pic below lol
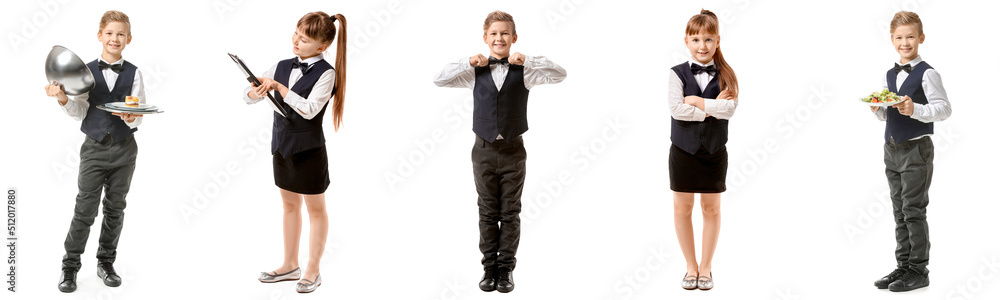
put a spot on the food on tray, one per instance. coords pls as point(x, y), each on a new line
point(131, 101)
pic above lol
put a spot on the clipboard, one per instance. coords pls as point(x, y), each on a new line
point(253, 79)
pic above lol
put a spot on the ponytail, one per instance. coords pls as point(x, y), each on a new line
point(340, 71)
point(727, 78)
point(708, 22)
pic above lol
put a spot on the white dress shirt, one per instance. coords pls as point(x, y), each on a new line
point(937, 109)
point(309, 107)
point(718, 108)
point(77, 105)
point(537, 70)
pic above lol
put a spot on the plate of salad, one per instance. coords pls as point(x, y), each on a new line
point(883, 98)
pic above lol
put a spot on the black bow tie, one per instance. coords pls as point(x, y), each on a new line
point(696, 69)
point(907, 67)
point(301, 65)
point(502, 61)
point(117, 68)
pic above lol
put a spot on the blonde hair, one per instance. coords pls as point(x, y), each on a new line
point(499, 16)
point(320, 27)
point(114, 16)
point(904, 18)
point(707, 21)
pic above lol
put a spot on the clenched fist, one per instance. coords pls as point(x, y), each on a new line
point(479, 61)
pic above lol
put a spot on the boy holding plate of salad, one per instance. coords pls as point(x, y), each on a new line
point(908, 150)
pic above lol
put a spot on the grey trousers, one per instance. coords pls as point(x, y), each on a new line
point(908, 166)
point(107, 166)
point(499, 170)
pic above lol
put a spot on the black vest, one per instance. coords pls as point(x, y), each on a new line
point(903, 128)
point(501, 111)
point(99, 123)
point(295, 134)
point(692, 135)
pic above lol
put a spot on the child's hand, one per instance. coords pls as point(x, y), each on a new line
point(725, 94)
point(269, 83)
point(261, 90)
point(516, 59)
point(127, 117)
point(906, 107)
point(56, 90)
point(479, 61)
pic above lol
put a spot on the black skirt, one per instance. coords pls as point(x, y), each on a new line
point(306, 172)
point(701, 172)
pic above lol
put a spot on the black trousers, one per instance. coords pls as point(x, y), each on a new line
point(908, 166)
point(499, 171)
point(107, 166)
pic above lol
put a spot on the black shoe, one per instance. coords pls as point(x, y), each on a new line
point(489, 282)
point(884, 282)
point(107, 273)
point(67, 282)
point(910, 281)
point(505, 280)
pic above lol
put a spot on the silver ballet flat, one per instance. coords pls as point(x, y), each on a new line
point(308, 286)
point(689, 282)
point(291, 275)
point(705, 284)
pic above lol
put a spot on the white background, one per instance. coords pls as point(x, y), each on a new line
point(806, 216)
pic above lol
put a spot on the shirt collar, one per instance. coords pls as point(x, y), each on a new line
point(311, 60)
point(710, 63)
point(914, 62)
point(120, 61)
